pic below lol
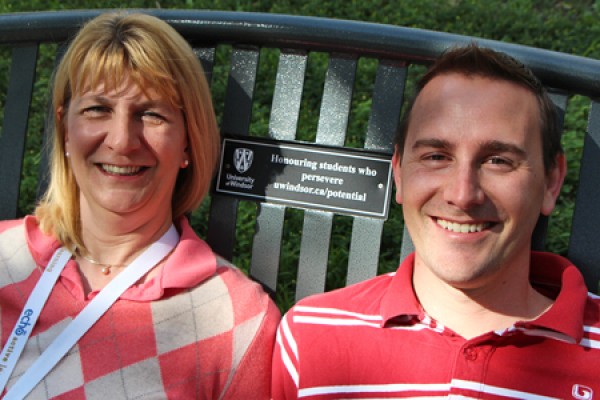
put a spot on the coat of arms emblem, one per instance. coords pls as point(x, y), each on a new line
point(242, 159)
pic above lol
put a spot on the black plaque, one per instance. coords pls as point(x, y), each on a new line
point(306, 176)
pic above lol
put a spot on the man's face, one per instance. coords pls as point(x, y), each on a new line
point(471, 178)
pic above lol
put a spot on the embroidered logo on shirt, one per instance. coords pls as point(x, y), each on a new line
point(581, 392)
point(242, 159)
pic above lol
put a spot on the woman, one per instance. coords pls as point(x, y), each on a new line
point(135, 146)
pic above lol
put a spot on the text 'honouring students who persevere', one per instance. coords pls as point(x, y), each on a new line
point(306, 176)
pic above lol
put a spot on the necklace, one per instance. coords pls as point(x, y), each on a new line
point(105, 267)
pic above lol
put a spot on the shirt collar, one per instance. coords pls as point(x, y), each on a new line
point(553, 275)
point(400, 300)
point(557, 278)
point(191, 262)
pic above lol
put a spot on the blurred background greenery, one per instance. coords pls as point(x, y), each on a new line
point(566, 26)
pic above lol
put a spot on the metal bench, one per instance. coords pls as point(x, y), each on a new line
point(294, 39)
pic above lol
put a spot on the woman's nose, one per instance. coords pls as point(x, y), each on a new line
point(123, 134)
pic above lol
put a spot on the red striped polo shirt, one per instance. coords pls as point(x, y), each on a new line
point(372, 340)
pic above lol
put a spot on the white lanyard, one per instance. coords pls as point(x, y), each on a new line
point(82, 322)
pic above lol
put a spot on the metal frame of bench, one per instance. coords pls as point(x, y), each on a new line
point(345, 42)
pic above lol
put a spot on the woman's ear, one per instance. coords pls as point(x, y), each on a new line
point(185, 161)
point(60, 116)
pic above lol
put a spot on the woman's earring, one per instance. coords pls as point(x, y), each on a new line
point(67, 154)
point(186, 163)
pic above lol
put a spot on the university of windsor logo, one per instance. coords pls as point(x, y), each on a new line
point(242, 159)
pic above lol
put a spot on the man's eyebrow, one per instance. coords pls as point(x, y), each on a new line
point(432, 143)
point(498, 146)
point(493, 146)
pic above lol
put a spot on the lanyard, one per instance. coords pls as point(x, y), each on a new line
point(80, 324)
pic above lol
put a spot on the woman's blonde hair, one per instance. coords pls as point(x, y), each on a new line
point(153, 54)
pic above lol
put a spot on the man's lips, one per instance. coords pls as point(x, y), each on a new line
point(462, 227)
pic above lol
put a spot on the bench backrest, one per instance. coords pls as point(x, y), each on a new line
point(345, 44)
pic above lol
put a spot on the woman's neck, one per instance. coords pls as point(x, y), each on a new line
point(114, 241)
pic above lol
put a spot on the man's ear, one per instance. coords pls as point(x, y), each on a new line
point(554, 182)
point(396, 168)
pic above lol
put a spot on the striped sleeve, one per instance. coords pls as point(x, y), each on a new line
point(285, 361)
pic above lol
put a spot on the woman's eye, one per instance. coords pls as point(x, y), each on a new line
point(95, 110)
point(153, 117)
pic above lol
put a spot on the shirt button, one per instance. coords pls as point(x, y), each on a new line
point(470, 354)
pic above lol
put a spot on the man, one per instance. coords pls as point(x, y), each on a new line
point(473, 313)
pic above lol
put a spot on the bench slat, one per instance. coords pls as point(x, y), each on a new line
point(14, 131)
point(285, 111)
point(331, 130)
point(584, 247)
point(388, 94)
point(314, 253)
point(206, 55)
point(43, 173)
point(237, 114)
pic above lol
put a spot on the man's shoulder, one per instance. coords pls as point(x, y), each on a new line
point(592, 311)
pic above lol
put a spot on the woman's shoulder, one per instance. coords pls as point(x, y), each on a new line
point(6, 225)
point(247, 295)
point(237, 281)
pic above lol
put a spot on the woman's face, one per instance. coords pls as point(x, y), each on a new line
point(125, 148)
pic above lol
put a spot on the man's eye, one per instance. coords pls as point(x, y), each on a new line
point(500, 162)
point(435, 157)
point(497, 160)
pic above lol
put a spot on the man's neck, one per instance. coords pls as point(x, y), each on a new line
point(494, 305)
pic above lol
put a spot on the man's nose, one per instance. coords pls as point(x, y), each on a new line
point(463, 188)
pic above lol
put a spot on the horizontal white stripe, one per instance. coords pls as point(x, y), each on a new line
point(311, 320)
point(510, 393)
point(548, 334)
point(300, 319)
point(442, 389)
point(336, 311)
point(388, 388)
point(444, 397)
point(591, 329)
point(592, 344)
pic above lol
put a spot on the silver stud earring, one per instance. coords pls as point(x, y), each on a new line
point(67, 154)
point(186, 163)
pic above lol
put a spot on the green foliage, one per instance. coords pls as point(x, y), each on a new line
point(566, 26)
